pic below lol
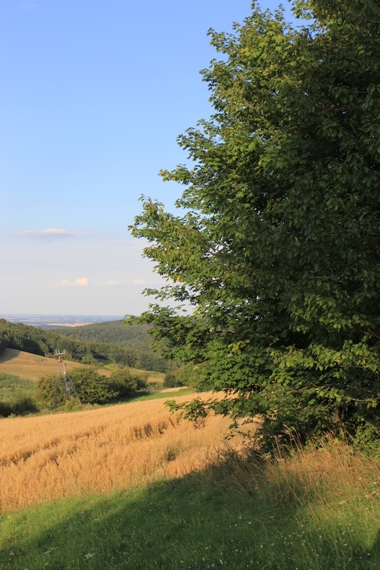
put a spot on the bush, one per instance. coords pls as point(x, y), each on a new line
point(171, 380)
point(185, 375)
point(89, 359)
point(91, 387)
point(20, 406)
point(126, 383)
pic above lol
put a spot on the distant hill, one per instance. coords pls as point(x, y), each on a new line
point(131, 348)
point(132, 340)
point(55, 321)
point(115, 332)
point(38, 341)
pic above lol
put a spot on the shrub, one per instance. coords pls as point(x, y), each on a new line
point(89, 359)
point(171, 380)
point(91, 387)
point(126, 383)
point(19, 406)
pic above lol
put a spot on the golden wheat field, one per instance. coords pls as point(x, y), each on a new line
point(96, 451)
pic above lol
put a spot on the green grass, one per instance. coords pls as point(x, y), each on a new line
point(139, 397)
point(12, 387)
point(72, 407)
point(158, 375)
point(16, 395)
point(159, 395)
point(152, 374)
point(233, 516)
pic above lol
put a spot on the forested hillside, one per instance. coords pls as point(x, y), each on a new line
point(38, 341)
point(115, 332)
point(118, 340)
point(133, 353)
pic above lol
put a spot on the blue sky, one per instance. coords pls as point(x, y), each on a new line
point(93, 95)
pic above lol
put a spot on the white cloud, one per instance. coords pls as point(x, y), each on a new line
point(112, 283)
point(139, 282)
point(51, 234)
point(80, 282)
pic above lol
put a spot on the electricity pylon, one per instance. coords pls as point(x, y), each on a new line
point(67, 381)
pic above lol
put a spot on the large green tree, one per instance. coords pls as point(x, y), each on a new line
point(277, 245)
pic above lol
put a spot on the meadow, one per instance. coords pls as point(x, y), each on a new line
point(28, 366)
point(31, 366)
point(12, 386)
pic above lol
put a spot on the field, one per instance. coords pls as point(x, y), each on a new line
point(133, 487)
point(30, 366)
point(97, 451)
point(181, 498)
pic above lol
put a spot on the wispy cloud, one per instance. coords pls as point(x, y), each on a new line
point(112, 283)
point(51, 234)
point(139, 282)
point(80, 282)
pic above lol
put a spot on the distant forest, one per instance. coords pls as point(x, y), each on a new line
point(99, 343)
point(112, 332)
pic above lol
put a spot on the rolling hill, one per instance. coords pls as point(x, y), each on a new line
point(128, 346)
point(32, 366)
point(115, 332)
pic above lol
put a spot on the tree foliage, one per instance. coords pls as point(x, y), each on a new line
point(126, 383)
point(277, 250)
point(184, 375)
point(91, 387)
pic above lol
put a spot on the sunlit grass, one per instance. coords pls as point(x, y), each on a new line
point(30, 366)
point(164, 394)
point(13, 388)
point(314, 510)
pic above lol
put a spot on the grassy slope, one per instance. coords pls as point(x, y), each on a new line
point(19, 370)
point(167, 393)
point(30, 366)
point(235, 515)
point(153, 377)
point(12, 386)
point(16, 396)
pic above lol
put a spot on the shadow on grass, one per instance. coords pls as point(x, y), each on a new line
point(9, 354)
point(22, 405)
point(204, 520)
